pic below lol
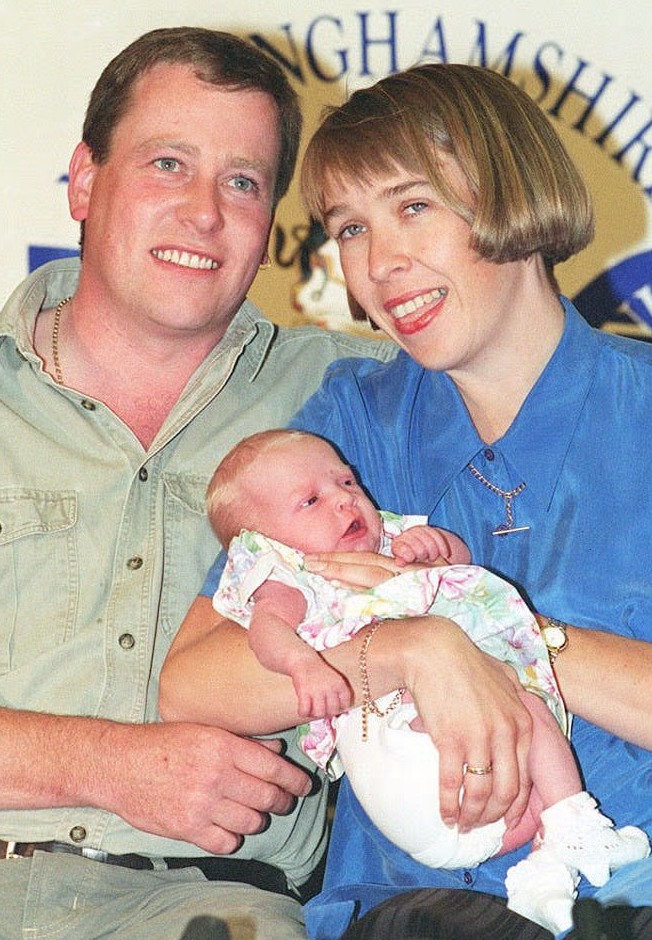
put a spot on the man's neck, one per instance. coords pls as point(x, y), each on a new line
point(140, 377)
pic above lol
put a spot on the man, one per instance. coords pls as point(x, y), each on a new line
point(124, 380)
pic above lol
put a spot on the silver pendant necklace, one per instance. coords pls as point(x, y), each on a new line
point(507, 527)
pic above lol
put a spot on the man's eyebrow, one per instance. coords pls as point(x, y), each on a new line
point(154, 143)
point(170, 143)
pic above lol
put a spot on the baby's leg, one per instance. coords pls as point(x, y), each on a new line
point(572, 835)
point(552, 768)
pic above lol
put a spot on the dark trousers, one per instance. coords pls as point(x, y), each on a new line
point(443, 914)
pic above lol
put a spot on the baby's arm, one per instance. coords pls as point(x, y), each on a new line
point(278, 611)
point(426, 544)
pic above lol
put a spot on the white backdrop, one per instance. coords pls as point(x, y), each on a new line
point(586, 62)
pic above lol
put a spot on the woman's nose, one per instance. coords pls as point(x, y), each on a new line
point(385, 255)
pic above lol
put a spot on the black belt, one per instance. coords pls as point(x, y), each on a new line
point(245, 870)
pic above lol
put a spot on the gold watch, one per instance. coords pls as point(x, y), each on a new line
point(555, 636)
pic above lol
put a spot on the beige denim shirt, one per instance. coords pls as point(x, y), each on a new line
point(103, 546)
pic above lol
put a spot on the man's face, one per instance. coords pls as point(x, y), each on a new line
point(177, 218)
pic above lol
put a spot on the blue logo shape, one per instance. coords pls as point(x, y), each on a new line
point(620, 300)
point(39, 254)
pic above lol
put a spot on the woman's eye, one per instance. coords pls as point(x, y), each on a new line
point(415, 207)
point(349, 231)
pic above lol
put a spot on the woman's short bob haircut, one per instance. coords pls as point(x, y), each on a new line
point(525, 196)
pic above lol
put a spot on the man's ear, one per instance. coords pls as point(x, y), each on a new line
point(266, 261)
point(81, 174)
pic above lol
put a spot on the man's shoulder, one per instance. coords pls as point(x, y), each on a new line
point(43, 288)
point(332, 344)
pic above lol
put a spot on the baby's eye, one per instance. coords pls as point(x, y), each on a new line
point(310, 501)
point(169, 164)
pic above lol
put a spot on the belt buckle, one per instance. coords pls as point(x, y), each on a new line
point(11, 850)
point(97, 855)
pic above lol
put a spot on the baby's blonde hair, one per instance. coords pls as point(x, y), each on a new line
point(230, 509)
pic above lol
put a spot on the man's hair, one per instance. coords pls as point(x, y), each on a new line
point(217, 58)
point(229, 508)
point(526, 195)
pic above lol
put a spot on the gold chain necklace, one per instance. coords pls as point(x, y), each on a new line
point(55, 339)
point(507, 527)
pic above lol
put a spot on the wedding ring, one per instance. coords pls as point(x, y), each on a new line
point(478, 771)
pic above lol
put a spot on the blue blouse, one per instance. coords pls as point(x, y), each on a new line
point(582, 444)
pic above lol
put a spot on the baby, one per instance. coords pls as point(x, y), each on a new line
point(281, 494)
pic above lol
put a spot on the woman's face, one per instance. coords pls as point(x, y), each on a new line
point(408, 262)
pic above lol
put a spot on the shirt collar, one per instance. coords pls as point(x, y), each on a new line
point(49, 284)
point(538, 440)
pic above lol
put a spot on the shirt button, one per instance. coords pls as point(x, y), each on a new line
point(88, 405)
point(489, 454)
point(127, 641)
point(468, 878)
point(135, 563)
point(143, 474)
point(78, 833)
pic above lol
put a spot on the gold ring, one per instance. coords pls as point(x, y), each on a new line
point(478, 771)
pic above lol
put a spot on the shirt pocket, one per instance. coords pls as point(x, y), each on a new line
point(39, 572)
point(190, 546)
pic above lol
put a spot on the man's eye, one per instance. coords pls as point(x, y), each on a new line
point(243, 184)
point(169, 164)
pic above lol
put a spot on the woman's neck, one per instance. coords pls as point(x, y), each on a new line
point(495, 387)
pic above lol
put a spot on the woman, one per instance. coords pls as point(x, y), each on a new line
point(505, 418)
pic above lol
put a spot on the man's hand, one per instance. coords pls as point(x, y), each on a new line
point(196, 783)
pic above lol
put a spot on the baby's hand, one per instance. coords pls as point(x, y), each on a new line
point(428, 545)
point(321, 691)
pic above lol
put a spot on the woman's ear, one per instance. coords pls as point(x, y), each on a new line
point(81, 174)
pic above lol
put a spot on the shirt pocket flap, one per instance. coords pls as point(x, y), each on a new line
point(26, 512)
point(188, 490)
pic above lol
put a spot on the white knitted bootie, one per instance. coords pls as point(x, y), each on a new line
point(543, 889)
point(581, 837)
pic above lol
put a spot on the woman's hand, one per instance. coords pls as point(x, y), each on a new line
point(355, 570)
point(469, 704)
point(468, 701)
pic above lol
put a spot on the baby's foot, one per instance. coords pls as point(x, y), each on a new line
point(581, 837)
point(543, 889)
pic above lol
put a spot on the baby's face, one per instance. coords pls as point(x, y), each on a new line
point(310, 500)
